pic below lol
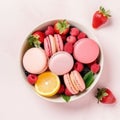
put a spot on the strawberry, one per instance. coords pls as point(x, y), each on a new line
point(105, 95)
point(36, 38)
point(100, 17)
point(62, 27)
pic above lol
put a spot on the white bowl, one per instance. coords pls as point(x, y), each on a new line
point(57, 99)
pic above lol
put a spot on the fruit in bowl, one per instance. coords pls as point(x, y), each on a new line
point(61, 60)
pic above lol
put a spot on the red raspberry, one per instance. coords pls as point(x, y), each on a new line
point(78, 66)
point(67, 92)
point(49, 31)
point(32, 78)
point(68, 47)
point(71, 39)
point(95, 68)
point(81, 35)
point(74, 31)
point(62, 89)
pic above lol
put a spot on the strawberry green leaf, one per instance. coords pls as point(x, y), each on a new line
point(88, 78)
point(33, 41)
point(65, 97)
point(104, 12)
point(62, 25)
point(101, 93)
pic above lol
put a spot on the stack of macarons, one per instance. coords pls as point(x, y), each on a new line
point(64, 55)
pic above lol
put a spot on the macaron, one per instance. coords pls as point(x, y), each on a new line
point(86, 50)
point(49, 45)
point(69, 85)
point(61, 63)
point(74, 82)
point(35, 60)
point(59, 42)
point(77, 80)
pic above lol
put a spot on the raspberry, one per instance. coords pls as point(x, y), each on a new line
point(78, 66)
point(74, 31)
point(71, 39)
point(67, 92)
point(62, 89)
point(81, 35)
point(95, 68)
point(32, 78)
point(49, 31)
point(68, 47)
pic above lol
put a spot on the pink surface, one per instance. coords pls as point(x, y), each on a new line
point(49, 45)
point(86, 50)
point(61, 63)
point(18, 18)
point(77, 80)
point(35, 60)
point(69, 85)
point(59, 42)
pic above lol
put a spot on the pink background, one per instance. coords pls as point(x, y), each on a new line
point(17, 19)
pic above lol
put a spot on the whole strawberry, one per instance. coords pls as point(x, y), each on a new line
point(105, 95)
point(36, 38)
point(100, 17)
point(62, 27)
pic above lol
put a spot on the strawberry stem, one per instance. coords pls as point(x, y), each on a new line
point(101, 93)
point(33, 41)
point(62, 25)
point(104, 12)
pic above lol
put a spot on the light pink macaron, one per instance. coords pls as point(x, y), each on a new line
point(35, 60)
point(59, 42)
point(49, 45)
point(60, 63)
point(69, 85)
point(86, 50)
point(74, 82)
point(77, 80)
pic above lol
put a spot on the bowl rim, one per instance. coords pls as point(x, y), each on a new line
point(82, 28)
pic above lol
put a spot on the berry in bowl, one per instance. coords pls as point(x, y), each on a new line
point(61, 60)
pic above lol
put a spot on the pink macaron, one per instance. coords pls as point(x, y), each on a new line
point(49, 45)
point(61, 62)
point(69, 85)
point(74, 82)
point(35, 60)
point(59, 42)
point(86, 50)
point(77, 80)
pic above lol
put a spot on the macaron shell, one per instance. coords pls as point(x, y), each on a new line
point(59, 42)
point(35, 60)
point(52, 43)
point(49, 45)
point(77, 80)
point(86, 50)
point(69, 85)
point(61, 63)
